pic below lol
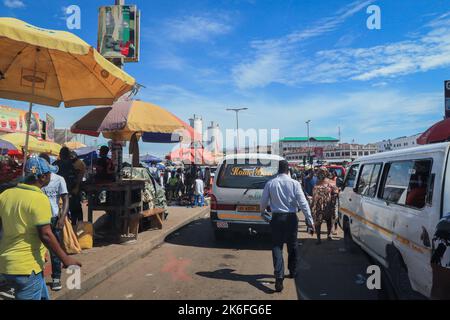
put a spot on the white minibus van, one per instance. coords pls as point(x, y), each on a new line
point(396, 206)
point(237, 190)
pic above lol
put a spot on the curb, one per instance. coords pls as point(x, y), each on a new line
point(118, 264)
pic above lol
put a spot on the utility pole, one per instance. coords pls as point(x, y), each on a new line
point(309, 145)
point(237, 124)
point(339, 133)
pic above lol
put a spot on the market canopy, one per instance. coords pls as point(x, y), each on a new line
point(58, 66)
point(150, 159)
point(34, 145)
point(192, 156)
point(439, 132)
point(5, 145)
point(124, 118)
point(72, 145)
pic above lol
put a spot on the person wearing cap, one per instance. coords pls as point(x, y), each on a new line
point(285, 197)
point(25, 217)
point(56, 192)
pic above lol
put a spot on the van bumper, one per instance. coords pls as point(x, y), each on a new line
point(243, 226)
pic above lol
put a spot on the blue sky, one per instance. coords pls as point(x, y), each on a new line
point(287, 61)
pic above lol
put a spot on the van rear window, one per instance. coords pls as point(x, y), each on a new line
point(246, 175)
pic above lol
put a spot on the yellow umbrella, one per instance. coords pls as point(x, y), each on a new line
point(34, 145)
point(125, 118)
point(49, 67)
point(74, 145)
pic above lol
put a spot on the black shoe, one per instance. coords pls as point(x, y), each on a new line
point(56, 285)
point(292, 275)
point(279, 285)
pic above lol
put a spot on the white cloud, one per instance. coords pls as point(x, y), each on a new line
point(274, 60)
point(197, 28)
point(284, 61)
point(170, 61)
point(14, 4)
point(367, 116)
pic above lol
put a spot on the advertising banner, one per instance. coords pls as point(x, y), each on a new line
point(50, 129)
point(14, 120)
point(118, 32)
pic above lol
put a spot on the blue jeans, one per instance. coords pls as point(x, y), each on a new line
point(31, 287)
point(56, 263)
point(199, 200)
point(284, 230)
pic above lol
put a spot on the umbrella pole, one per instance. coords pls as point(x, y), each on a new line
point(27, 136)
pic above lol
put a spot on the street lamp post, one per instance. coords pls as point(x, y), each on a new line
point(237, 124)
point(309, 146)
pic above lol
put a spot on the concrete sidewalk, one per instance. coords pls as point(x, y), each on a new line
point(102, 261)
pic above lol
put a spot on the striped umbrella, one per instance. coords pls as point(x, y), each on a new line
point(124, 118)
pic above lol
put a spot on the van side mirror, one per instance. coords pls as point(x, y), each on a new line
point(340, 183)
point(443, 229)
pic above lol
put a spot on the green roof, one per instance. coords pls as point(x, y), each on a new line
point(287, 139)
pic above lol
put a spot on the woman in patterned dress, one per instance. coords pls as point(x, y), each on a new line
point(324, 202)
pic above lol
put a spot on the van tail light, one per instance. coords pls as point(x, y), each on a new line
point(213, 202)
point(217, 206)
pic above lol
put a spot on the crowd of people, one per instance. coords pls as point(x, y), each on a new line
point(320, 187)
point(184, 186)
point(34, 208)
point(314, 192)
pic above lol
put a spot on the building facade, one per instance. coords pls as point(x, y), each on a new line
point(340, 153)
point(291, 144)
point(398, 143)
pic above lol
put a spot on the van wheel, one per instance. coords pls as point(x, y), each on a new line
point(348, 240)
point(398, 274)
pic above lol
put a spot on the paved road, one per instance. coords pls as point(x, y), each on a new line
point(192, 265)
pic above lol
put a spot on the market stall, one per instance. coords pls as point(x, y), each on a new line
point(123, 196)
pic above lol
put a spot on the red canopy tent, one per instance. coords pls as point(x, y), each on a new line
point(439, 132)
point(192, 156)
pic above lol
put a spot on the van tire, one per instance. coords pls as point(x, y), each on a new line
point(348, 240)
point(398, 275)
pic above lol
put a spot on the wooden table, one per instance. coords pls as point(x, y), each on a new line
point(123, 201)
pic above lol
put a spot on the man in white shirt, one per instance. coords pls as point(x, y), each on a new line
point(56, 190)
point(285, 197)
point(199, 190)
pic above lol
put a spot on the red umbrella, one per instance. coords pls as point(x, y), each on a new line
point(439, 132)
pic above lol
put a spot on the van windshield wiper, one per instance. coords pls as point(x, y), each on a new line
point(254, 184)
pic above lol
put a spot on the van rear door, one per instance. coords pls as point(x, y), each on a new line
point(239, 185)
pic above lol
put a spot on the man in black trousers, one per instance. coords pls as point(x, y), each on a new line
point(285, 197)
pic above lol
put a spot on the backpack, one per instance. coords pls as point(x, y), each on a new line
point(68, 172)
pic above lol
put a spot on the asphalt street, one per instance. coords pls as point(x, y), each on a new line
point(191, 264)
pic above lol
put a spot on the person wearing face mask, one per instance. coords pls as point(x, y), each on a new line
point(324, 202)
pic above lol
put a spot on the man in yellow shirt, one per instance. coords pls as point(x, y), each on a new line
point(25, 215)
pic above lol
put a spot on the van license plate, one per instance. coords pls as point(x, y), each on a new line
point(222, 225)
point(254, 208)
